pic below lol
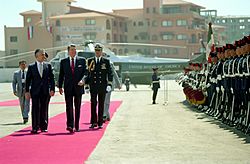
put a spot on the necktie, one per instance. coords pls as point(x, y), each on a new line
point(98, 61)
point(72, 65)
point(23, 74)
point(23, 79)
point(41, 69)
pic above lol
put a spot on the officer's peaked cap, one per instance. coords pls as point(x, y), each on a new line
point(154, 68)
point(98, 46)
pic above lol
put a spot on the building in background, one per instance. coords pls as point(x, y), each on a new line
point(164, 22)
point(235, 27)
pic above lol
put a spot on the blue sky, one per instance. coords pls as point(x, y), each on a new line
point(10, 9)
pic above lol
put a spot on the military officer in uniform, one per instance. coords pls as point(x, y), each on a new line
point(99, 81)
point(155, 83)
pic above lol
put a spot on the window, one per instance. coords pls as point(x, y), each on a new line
point(140, 23)
point(174, 51)
point(13, 39)
point(125, 27)
point(136, 37)
point(223, 21)
point(134, 23)
point(154, 37)
point(108, 27)
point(241, 20)
point(114, 23)
point(139, 51)
point(167, 37)
point(108, 36)
point(13, 51)
point(58, 23)
point(90, 22)
point(147, 10)
point(28, 20)
point(171, 10)
point(165, 51)
point(193, 38)
point(154, 10)
point(154, 23)
point(125, 50)
point(248, 20)
point(115, 38)
point(58, 38)
point(120, 52)
point(120, 24)
point(181, 22)
point(242, 27)
point(115, 50)
point(90, 36)
point(181, 37)
point(167, 23)
point(157, 51)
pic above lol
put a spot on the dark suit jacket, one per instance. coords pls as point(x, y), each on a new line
point(44, 84)
point(155, 81)
point(99, 76)
point(66, 76)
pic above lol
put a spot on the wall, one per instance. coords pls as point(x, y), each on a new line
point(7, 74)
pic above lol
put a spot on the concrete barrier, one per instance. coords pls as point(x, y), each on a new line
point(6, 74)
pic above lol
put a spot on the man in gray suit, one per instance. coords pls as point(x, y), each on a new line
point(116, 83)
point(18, 85)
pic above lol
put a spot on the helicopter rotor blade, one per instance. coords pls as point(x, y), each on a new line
point(146, 44)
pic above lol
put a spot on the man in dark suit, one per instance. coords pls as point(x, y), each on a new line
point(40, 86)
point(99, 79)
point(73, 71)
point(155, 84)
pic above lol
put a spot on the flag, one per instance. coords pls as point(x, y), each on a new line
point(210, 42)
point(30, 32)
point(49, 29)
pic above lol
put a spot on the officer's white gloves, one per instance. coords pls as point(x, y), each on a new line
point(222, 88)
point(87, 90)
point(81, 83)
point(232, 91)
point(217, 89)
point(108, 89)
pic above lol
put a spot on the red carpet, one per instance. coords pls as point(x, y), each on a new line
point(56, 146)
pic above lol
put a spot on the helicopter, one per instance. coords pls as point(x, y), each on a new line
point(137, 67)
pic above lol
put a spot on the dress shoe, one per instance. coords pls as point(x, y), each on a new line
point(70, 129)
point(100, 127)
point(34, 132)
point(25, 120)
point(108, 119)
point(153, 102)
point(44, 130)
point(77, 130)
point(93, 126)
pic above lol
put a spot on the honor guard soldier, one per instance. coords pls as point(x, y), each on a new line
point(155, 83)
point(99, 79)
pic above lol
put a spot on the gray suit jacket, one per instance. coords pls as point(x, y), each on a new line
point(17, 82)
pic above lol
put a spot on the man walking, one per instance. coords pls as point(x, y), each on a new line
point(18, 86)
point(100, 79)
point(72, 74)
point(40, 86)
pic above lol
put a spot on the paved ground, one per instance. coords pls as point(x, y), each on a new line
point(144, 133)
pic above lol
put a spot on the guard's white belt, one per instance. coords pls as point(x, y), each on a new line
point(156, 82)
